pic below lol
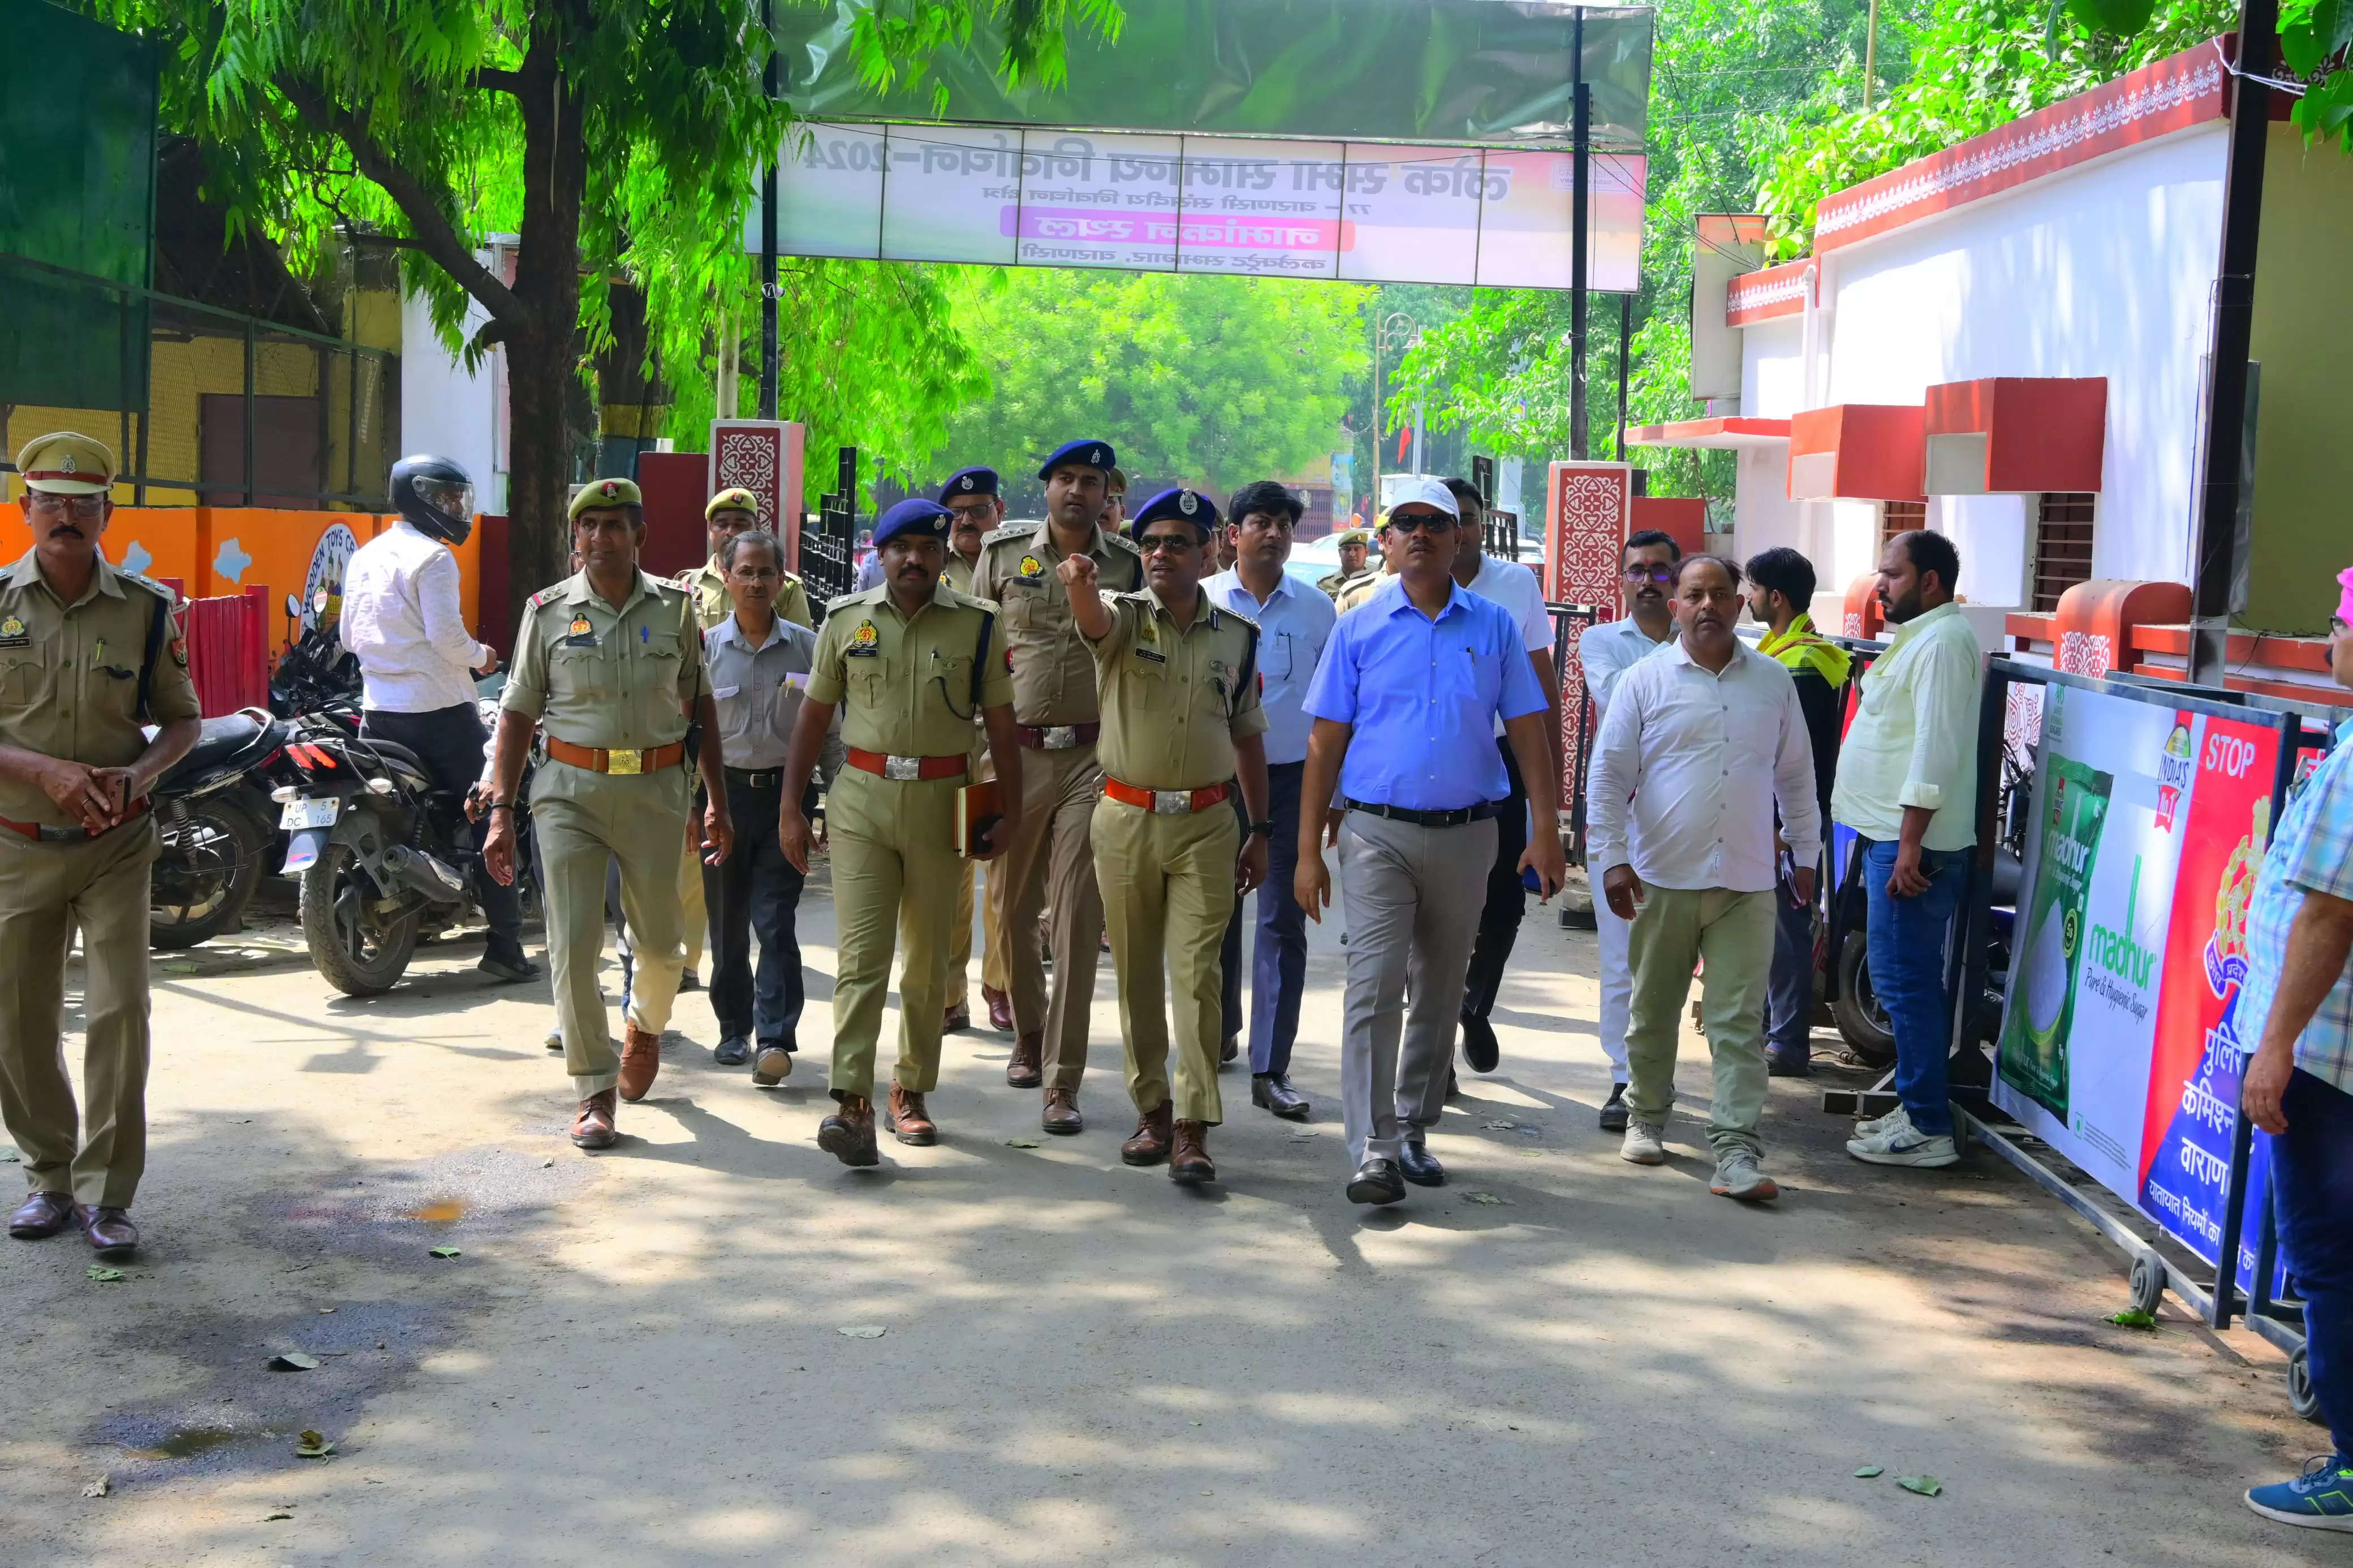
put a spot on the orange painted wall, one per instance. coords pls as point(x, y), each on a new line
point(188, 543)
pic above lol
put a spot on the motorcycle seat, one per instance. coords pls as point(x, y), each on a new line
point(216, 740)
point(2009, 879)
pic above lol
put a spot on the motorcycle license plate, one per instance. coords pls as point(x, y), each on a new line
point(297, 815)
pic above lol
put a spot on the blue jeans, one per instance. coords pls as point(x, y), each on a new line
point(1279, 956)
point(2312, 1194)
point(1789, 1001)
point(1906, 942)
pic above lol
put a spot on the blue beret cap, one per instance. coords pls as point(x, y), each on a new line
point(914, 516)
point(1186, 506)
point(1085, 454)
point(968, 482)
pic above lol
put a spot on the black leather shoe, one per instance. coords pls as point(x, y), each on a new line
point(1273, 1091)
point(1376, 1181)
point(1420, 1167)
point(1228, 1048)
point(509, 965)
point(1613, 1110)
point(1799, 1063)
point(1479, 1048)
point(732, 1052)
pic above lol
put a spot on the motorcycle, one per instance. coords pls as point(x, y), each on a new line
point(383, 858)
point(212, 818)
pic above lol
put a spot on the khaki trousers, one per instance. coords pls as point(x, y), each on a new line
point(895, 873)
point(1050, 862)
point(639, 823)
point(1171, 881)
point(46, 891)
point(1731, 934)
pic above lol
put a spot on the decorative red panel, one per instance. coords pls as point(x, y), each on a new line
point(762, 456)
point(1589, 508)
point(228, 651)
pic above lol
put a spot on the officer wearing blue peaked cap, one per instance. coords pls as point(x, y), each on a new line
point(921, 519)
point(1080, 453)
point(1186, 506)
point(968, 482)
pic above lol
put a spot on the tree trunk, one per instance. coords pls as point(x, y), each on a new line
point(543, 352)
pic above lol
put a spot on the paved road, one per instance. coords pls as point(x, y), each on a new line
point(636, 1357)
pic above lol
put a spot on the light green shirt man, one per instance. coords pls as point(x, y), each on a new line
point(1913, 741)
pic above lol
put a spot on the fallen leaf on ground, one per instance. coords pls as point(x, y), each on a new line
point(863, 1332)
point(1927, 1486)
point(446, 1252)
point(103, 1275)
point(1499, 1126)
point(2131, 1318)
point(293, 1361)
point(1488, 1198)
point(1870, 1472)
point(1021, 1142)
point(96, 1488)
point(179, 968)
point(313, 1445)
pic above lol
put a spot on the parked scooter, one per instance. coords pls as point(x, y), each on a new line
point(383, 858)
point(212, 817)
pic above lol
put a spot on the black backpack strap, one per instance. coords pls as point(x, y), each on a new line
point(1249, 659)
point(156, 624)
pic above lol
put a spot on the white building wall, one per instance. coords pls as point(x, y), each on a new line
point(1772, 371)
point(445, 409)
point(2102, 271)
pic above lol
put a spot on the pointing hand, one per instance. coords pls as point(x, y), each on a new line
point(1077, 572)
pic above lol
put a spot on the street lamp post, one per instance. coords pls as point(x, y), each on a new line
point(1398, 332)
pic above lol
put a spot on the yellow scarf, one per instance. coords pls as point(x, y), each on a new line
point(1799, 648)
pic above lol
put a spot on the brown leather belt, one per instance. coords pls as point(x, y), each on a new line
point(1056, 737)
point(1166, 802)
point(50, 832)
point(890, 767)
point(620, 765)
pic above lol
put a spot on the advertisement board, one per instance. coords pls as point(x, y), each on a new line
point(2119, 1045)
point(1263, 206)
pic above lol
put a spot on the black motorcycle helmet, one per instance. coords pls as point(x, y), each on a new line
point(434, 494)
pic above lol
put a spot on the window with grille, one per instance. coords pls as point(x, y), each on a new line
point(2063, 546)
point(1900, 517)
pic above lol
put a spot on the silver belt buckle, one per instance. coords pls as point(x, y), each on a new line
point(1059, 737)
point(1171, 802)
point(902, 767)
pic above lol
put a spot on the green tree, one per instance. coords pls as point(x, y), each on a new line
point(584, 126)
point(1198, 379)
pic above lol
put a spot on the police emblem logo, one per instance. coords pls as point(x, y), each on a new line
point(1032, 567)
point(579, 628)
point(12, 628)
point(1187, 502)
point(611, 489)
point(66, 464)
point(866, 633)
point(864, 643)
point(1096, 457)
point(966, 483)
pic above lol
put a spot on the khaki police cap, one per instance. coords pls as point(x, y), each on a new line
point(1118, 482)
point(606, 493)
point(1352, 536)
point(65, 463)
point(736, 499)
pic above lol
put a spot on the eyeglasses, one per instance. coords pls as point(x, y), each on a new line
point(1435, 522)
point(1165, 544)
point(84, 507)
point(1650, 572)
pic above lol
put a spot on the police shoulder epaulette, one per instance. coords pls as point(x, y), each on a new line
point(546, 597)
point(866, 597)
point(1125, 542)
point(149, 584)
point(1220, 613)
point(1011, 531)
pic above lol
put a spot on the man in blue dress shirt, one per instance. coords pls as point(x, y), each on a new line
point(1294, 622)
point(1404, 703)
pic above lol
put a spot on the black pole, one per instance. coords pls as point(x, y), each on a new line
point(773, 86)
point(1579, 267)
point(1625, 349)
point(2215, 563)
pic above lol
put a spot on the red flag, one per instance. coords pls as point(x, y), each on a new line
point(1405, 438)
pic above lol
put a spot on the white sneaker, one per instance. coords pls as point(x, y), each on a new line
point(1738, 1175)
point(1645, 1144)
point(1906, 1145)
point(1894, 1120)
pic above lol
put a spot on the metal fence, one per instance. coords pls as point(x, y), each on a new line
point(202, 407)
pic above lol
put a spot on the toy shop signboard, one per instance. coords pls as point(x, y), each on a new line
point(2120, 1033)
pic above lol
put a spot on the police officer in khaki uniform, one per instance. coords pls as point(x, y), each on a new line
point(1180, 720)
point(911, 663)
point(1355, 545)
point(610, 661)
point(86, 653)
point(1362, 586)
point(975, 509)
point(726, 514)
point(1049, 861)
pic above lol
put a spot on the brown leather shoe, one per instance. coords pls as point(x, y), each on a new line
point(1000, 1008)
point(772, 1066)
point(848, 1133)
point(1150, 1144)
point(910, 1122)
point(640, 1060)
point(958, 1018)
point(1188, 1160)
point(110, 1232)
point(593, 1127)
point(1023, 1068)
point(1061, 1112)
point(42, 1215)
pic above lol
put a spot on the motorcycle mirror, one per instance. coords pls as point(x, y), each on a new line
point(293, 608)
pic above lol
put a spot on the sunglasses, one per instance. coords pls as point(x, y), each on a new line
point(1437, 522)
point(1646, 572)
point(1166, 543)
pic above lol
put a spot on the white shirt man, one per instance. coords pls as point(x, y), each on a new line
point(1701, 743)
point(402, 616)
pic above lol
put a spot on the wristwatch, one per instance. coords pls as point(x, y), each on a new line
point(1260, 830)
